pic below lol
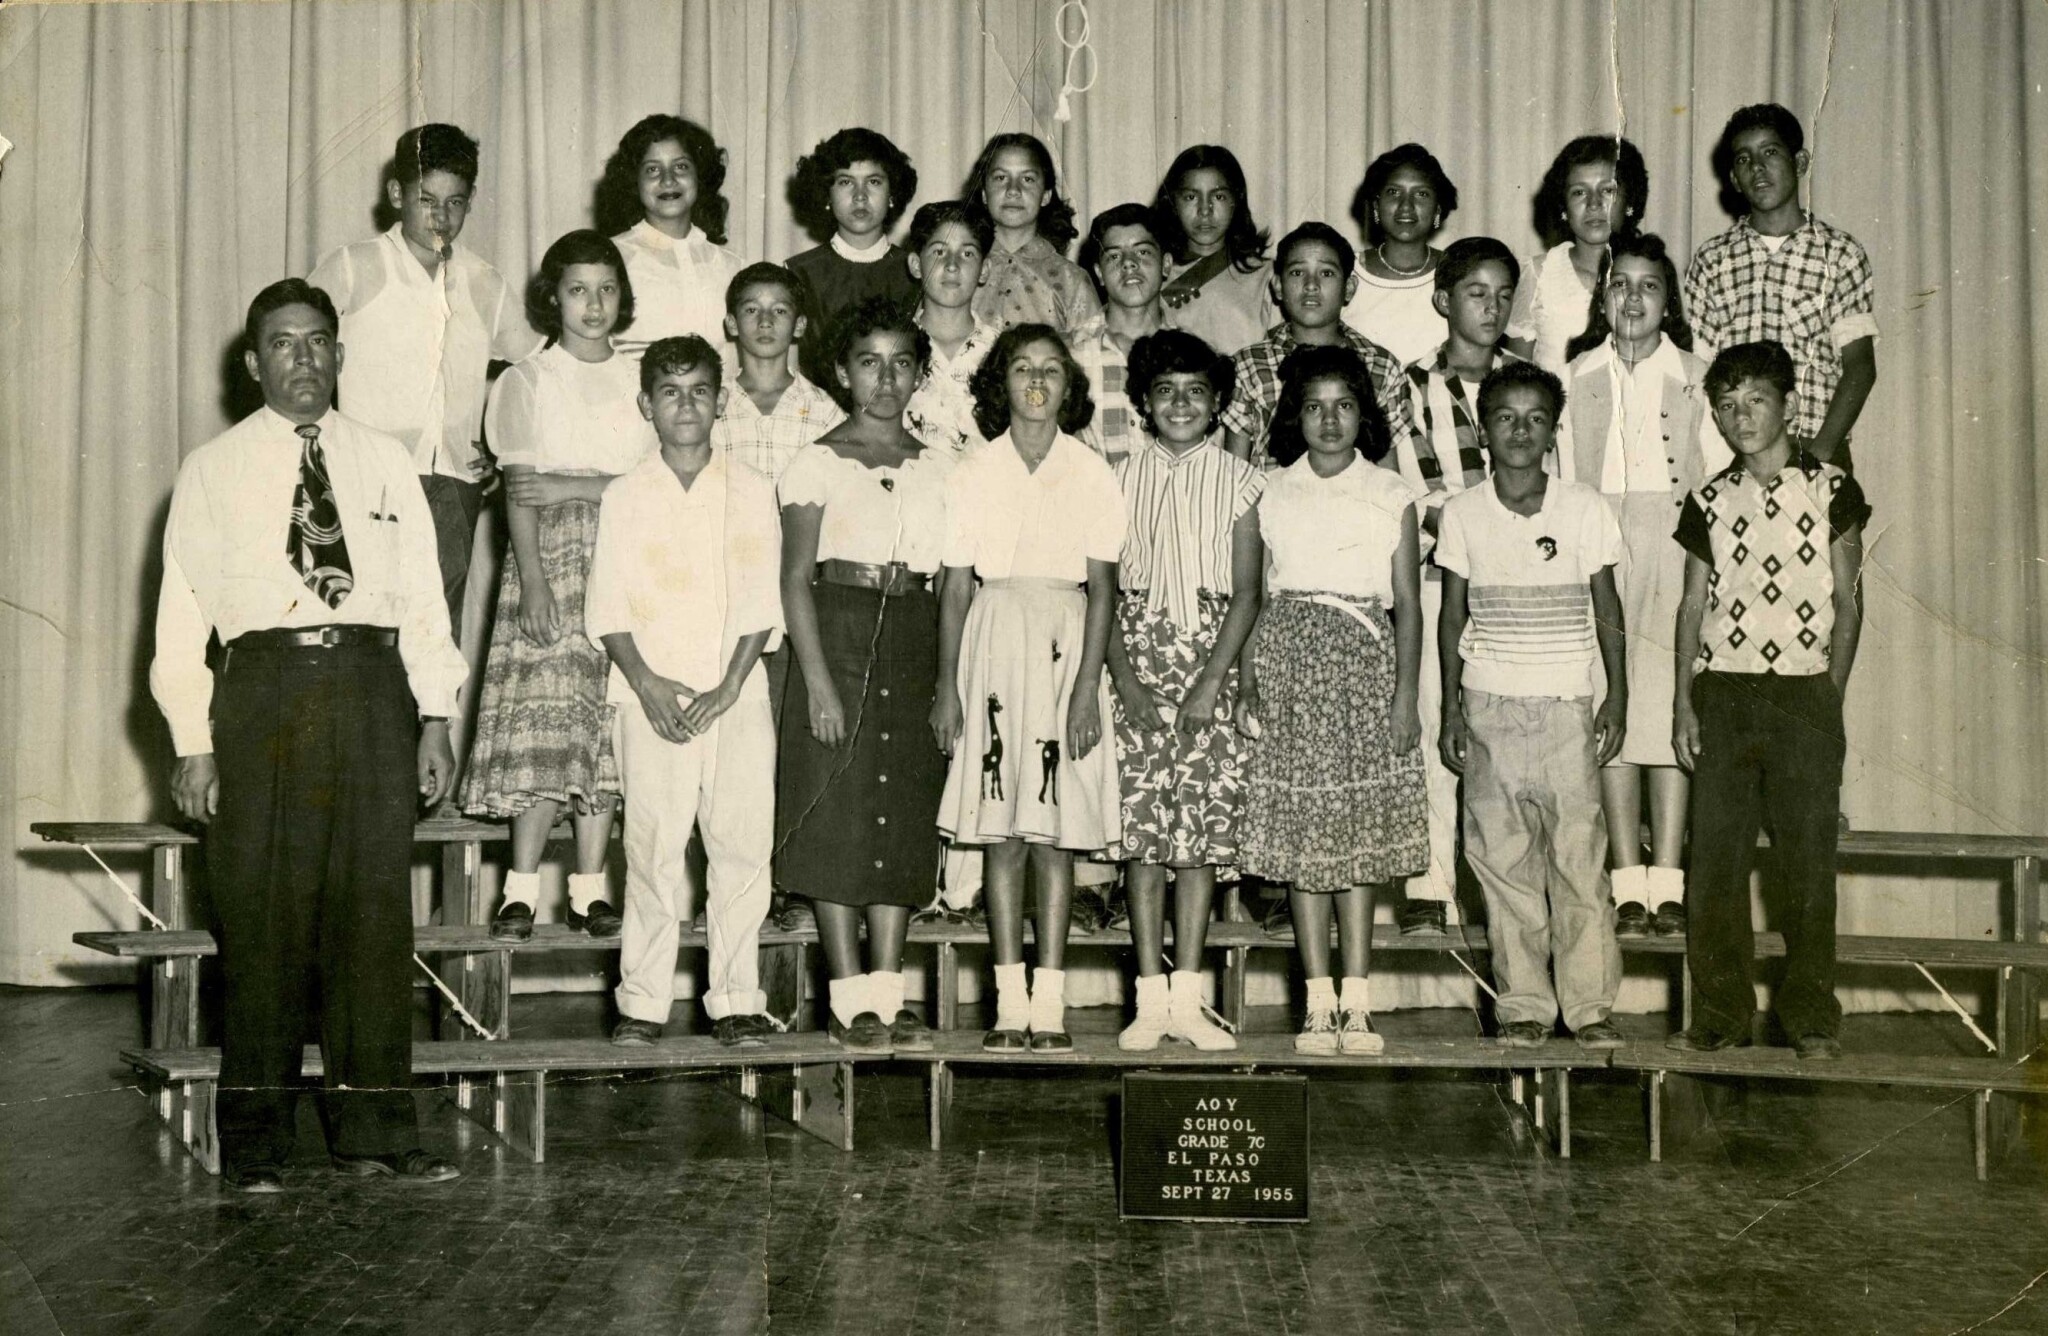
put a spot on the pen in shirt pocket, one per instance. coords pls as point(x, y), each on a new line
point(383, 510)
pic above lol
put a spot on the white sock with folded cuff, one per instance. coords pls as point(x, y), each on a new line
point(849, 997)
point(1666, 885)
point(586, 889)
point(522, 888)
point(1322, 994)
point(1013, 998)
point(1048, 1001)
point(1354, 994)
point(1631, 885)
point(885, 994)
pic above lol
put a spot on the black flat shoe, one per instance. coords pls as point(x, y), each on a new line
point(1631, 920)
point(1700, 1039)
point(1669, 920)
point(1424, 916)
point(512, 923)
point(630, 1033)
point(1818, 1047)
point(1005, 1041)
point(908, 1034)
point(1051, 1041)
point(738, 1031)
point(255, 1179)
point(600, 920)
point(866, 1034)
point(416, 1165)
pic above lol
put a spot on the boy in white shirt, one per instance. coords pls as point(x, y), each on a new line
point(1528, 563)
point(684, 596)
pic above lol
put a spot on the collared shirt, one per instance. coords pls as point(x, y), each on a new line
point(875, 516)
point(1233, 310)
point(689, 572)
point(225, 569)
point(766, 442)
point(1771, 582)
point(678, 288)
point(1334, 535)
point(420, 345)
point(1814, 293)
point(1444, 452)
point(1257, 391)
point(1530, 592)
point(1551, 307)
point(941, 408)
point(1114, 430)
point(1644, 428)
point(1010, 522)
point(555, 413)
point(1034, 283)
point(1180, 511)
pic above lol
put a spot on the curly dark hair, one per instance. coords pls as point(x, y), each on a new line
point(1382, 170)
point(618, 193)
point(1629, 173)
point(1326, 361)
point(1645, 246)
point(1244, 240)
point(991, 393)
point(677, 355)
point(1517, 375)
point(1056, 216)
point(871, 315)
point(583, 246)
point(1175, 352)
point(810, 189)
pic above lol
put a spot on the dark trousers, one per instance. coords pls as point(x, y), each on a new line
point(1771, 754)
point(308, 859)
point(454, 505)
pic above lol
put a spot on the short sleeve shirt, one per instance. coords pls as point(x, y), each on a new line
point(1182, 510)
point(1035, 284)
point(678, 288)
point(1335, 535)
point(1010, 522)
point(941, 408)
point(557, 414)
point(875, 516)
point(1529, 592)
point(767, 442)
point(1257, 390)
point(1114, 429)
point(1771, 578)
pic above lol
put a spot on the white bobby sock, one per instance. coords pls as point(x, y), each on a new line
point(885, 994)
point(1048, 1001)
point(1013, 998)
point(1353, 998)
point(1666, 885)
point(522, 888)
point(586, 889)
point(849, 997)
point(1631, 885)
point(1322, 994)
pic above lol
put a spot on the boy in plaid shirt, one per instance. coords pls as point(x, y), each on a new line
point(1123, 255)
point(1782, 274)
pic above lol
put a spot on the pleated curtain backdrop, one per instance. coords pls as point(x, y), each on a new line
point(171, 159)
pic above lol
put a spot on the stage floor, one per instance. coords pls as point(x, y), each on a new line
point(667, 1206)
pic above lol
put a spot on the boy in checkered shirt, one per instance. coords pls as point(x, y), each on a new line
point(1782, 274)
point(1767, 633)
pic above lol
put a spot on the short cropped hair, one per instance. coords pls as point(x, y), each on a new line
point(1313, 231)
point(1175, 352)
point(1643, 246)
point(1519, 375)
point(1465, 254)
point(926, 222)
point(1755, 116)
point(1056, 216)
point(1244, 240)
point(619, 191)
point(434, 148)
point(991, 395)
point(762, 274)
point(1382, 170)
point(1328, 361)
point(583, 246)
point(810, 194)
point(1121, 215)
point(676, 356)
point(1630, 174)
point(1765, 360)
point(287, 292)
point(872, 315)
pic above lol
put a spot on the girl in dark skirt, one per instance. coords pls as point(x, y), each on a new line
point(1191, 570)
point(1335, 804)
point(863, 513)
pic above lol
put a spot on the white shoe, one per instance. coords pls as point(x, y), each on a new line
point(1144, 1032)
point(1185, 1019)
point(1356, 1035)
point(1318, 1032)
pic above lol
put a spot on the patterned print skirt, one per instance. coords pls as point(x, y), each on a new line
point(1329, 805)
point(854, 823)
point(542, 728)
point(1181, 794)
point(1011, 777)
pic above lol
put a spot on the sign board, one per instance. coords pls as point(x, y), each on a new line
point(1211, 1146)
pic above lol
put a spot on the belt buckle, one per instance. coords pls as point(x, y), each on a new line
point(330, 636)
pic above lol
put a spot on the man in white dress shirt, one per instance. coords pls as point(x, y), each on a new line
point(303, 540)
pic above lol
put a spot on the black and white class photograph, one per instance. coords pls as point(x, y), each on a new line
point(1023, 666)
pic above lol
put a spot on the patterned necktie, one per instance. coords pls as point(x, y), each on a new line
point(314, 545)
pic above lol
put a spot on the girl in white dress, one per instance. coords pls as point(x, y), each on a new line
point(1405, 199)
point(661, 193)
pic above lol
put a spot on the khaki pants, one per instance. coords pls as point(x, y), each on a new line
point(1439, 881)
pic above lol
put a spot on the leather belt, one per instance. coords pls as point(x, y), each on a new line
point(315, 637)
point(893, 578)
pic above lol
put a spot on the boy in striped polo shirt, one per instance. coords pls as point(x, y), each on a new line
point(1529, 599)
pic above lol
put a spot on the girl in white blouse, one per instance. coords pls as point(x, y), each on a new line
point(863, 518)
point(661, 192)
point(1037, 518)
point(1335, 805)
point(1637, 427)
point(1596, 188)
point(563, 423)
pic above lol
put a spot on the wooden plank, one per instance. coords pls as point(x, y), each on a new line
point(521, 1112)
point(444, 1057)
point(1264, 1051)
point(783, 973)
point(1782, 1064)
point(946, 986)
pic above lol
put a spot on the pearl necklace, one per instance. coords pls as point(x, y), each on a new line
point(1396, 270)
